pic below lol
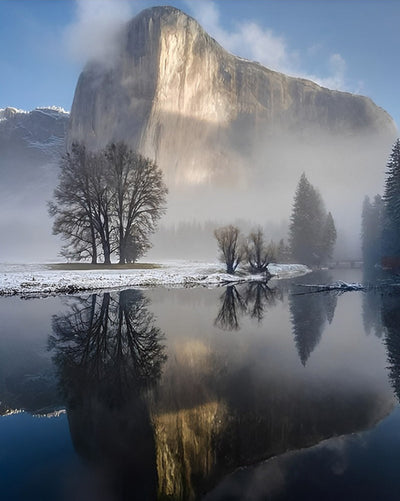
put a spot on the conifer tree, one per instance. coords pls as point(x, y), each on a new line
point(328, 238)
point(371, 230)
point(312, 232)
point(391, 197)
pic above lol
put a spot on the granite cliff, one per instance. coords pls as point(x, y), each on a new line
point(215, 121)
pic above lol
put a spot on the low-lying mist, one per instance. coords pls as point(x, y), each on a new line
point(256, 190)
point(261, 191)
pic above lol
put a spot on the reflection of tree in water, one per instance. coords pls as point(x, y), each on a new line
point(108, 352)
point(309, 313)
point(391, 322)
point(371, 304)
point(258, 296)
point(250, 299)
point(232, 306)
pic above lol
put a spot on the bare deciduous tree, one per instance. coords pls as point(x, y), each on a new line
point(139, 198)
point(259, 255)
point(107, 202)
point(72, 207)
point(231, 247)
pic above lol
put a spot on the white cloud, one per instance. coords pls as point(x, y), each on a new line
point(336, 77)
point(251, 40)
point(248, 39)
point(94, 33)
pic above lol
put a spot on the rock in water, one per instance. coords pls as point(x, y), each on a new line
point(211, 119)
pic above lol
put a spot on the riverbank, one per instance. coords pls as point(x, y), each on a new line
point(42, 279)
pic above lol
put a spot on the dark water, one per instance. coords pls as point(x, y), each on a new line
point(247, 392)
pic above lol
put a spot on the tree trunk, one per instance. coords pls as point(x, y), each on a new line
point(106, 251)
point(122, 256)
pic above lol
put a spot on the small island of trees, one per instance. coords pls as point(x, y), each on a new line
point(312, 237)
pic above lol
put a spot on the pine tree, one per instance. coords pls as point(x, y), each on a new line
point(371, 230)
point(328, 238)
point(311, 236)
point(391, 197)
point(283, 252)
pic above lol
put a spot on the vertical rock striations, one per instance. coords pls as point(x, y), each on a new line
point(213, 122)
point(176, 95)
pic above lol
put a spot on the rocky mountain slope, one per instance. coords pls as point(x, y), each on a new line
point(30, 145)
point(29, 138)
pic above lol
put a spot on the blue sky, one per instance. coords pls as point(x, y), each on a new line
point(350, 45)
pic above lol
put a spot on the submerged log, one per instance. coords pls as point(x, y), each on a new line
point(335, 286)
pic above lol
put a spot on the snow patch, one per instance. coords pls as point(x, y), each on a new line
point(58, 109)
point(40, 279)
point(340, 285)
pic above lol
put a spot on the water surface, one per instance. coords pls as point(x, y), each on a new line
point(167, 392)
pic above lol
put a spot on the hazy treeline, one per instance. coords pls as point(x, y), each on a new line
point(380, 226)
point(195, 239)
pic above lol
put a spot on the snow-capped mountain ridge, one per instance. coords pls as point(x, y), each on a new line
point(42, 128)
point(10, 112)
point(31, 144)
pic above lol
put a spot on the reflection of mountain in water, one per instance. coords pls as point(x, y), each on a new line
point(109, 352)
point(309, 313)
point(157, 428)
point(34, 393)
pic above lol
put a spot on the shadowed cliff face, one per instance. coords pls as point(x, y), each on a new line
point(209, 118)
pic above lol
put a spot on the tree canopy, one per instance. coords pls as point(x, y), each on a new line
point(231, 247)
point(107, 203)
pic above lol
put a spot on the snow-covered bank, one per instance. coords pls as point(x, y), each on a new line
point(40, 279)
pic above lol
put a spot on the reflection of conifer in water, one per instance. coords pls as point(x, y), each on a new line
point(329, 301)
point(371, 304)
point(391, 322)
point(371, 313)
point(108, 352)
point(308, 320)
point(309, 313)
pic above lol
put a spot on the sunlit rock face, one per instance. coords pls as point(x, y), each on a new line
point(176, 95)
point(230, 131)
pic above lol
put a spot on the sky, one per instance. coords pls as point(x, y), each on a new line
point(349, 45)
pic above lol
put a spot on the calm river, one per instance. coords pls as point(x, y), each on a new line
point(236, 393)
